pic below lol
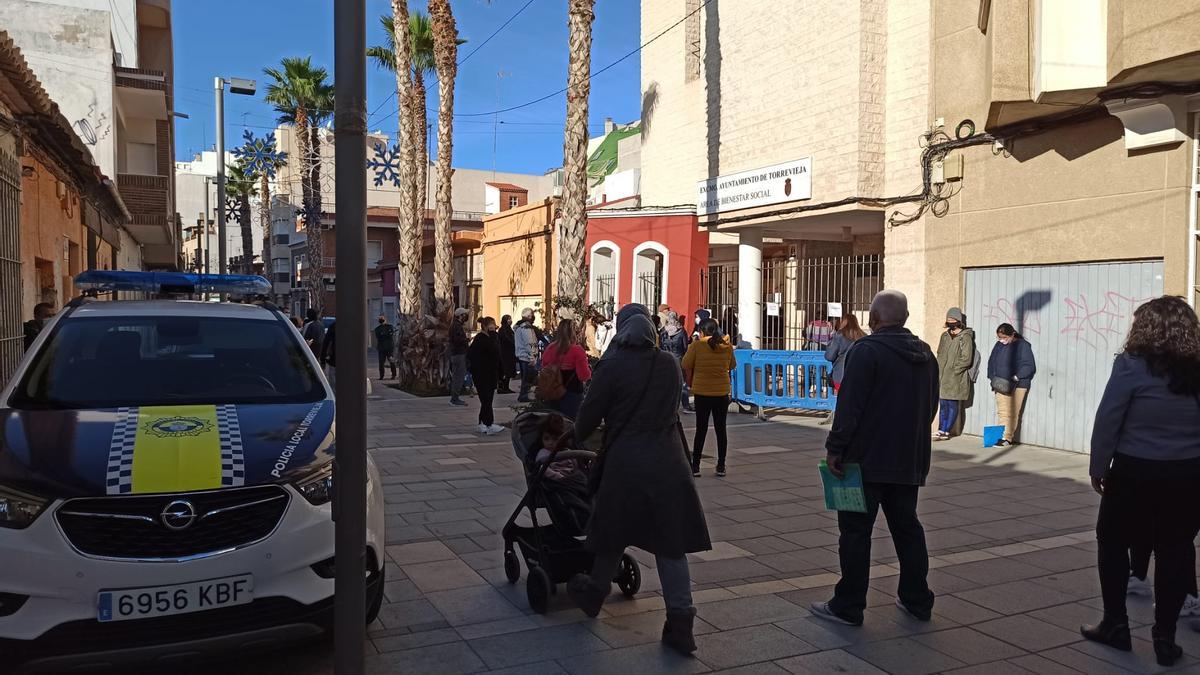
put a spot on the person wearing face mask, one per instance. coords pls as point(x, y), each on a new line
point(483, 362)
point(955, 357)
point(1010, 370)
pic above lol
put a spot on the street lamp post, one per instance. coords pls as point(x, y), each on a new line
point(245, 87)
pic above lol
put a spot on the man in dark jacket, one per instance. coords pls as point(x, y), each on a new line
point(41, 314)
point(385, 345)
point(887, 402)
point(458, 355)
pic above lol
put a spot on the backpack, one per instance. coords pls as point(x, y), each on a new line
point(550, 386)
point(976, 362)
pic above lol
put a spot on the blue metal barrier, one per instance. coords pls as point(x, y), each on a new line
point(783, 379)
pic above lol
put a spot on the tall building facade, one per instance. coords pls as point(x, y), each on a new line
point(109, 64)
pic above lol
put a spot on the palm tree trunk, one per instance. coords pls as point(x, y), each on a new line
point(247, 235)
point(410, 234)
point(445, 46)
point(421, 150)
point(314, 278)
point(572, 230)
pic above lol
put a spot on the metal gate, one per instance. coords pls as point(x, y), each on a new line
point(1076, 318)
point(11, 335)
point(796, 293)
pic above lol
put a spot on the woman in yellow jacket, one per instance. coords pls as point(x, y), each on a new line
point(706, 367)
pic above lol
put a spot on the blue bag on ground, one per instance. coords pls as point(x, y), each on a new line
point(846, 493)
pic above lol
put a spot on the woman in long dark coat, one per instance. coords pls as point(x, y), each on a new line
point(646, 497)
point(483, 362)
point(508, 354)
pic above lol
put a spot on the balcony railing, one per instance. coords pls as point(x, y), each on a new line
point(140, 78)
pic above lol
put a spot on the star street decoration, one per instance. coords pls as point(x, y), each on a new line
point(386, 164)
point(260, 154)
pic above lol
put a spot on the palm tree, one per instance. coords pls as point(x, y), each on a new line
point(398, 49)
point(445, 48)
point(240, 189)
point(420, 33)
point(301, 96)
point(572, 231)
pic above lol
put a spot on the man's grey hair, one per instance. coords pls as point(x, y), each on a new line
point(889, 308)
point(527, 313)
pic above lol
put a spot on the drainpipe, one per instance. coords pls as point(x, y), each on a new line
point(1193, 226)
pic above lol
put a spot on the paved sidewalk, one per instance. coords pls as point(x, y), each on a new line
point(1010, 532)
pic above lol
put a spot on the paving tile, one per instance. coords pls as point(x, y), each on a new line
point(990, 668)
point(728, 649)
point(750, 611)
point(391, 643)
point(1015, 597)
point(394, 615)
point(765, 668)
point(544, 644)
point(904, 656)
point(815, 632)
point(1092, 665)
point(399, 591)
point(649, 659)
point(725, 570)
point(442, 575)
point(543, 668)
point(429, 551)
point(477, 604)
point(1043, 666)
point(960, 611)
point(449, 659)
point(1028, 633)
point(834, 661)
point(636, 629)
point(994, 571)
point(968, 645)
point(721, 550)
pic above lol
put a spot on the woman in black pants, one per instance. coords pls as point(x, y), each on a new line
point(706, 367)
point(1146, 467)
point(483, 362)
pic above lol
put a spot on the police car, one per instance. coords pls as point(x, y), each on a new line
point(165, 479)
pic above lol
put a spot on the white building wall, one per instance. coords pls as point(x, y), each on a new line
point(69, 46)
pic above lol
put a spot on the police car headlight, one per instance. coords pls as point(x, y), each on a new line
point(19, 509)
point(317, 487)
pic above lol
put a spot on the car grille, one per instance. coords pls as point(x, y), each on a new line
point(132, 527)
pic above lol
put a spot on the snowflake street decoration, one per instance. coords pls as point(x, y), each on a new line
point(233, 209)
point(386, 164)
point(260, 154)
point(303, 212)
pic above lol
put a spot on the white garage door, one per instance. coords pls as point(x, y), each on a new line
point(1076, 318)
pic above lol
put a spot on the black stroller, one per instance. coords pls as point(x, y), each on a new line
point(554, 552)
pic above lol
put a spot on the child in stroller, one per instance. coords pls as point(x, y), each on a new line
point(557, 481)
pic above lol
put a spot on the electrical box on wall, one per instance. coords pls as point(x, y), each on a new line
point(946, 170)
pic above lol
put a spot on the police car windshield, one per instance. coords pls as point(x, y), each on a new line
point(103, 362)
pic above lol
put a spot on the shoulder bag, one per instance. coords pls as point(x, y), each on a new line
point(1001, 385)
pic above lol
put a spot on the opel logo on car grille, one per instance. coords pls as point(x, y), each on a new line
point(178, 515)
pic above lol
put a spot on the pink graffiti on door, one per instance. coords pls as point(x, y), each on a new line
point(1100, 324)
point(1004, 310)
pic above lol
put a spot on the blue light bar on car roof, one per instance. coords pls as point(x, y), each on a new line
point(171, 282)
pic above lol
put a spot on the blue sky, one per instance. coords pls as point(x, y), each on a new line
point(239, 37)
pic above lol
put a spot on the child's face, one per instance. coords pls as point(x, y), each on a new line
point(549, 440)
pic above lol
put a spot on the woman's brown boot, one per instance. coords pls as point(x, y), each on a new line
point(677, 631)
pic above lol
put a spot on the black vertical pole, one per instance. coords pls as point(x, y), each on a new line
point(350, 467)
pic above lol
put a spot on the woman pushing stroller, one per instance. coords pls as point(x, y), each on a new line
point(645, 496)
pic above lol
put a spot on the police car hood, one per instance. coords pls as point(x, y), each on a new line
point(155, 449)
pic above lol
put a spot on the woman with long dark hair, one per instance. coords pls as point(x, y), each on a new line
point(1146, 467)
point(645, 497)
point(846, 332)
point(706, 369)
point(1010, 370)
point(572, 362)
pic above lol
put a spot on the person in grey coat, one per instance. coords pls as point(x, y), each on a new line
point(646, 497)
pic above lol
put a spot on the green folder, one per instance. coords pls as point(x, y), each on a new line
point(846, 493)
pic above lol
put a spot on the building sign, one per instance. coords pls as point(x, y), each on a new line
point(787, 182)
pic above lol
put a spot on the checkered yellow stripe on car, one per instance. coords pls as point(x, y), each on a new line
point(175, 449)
